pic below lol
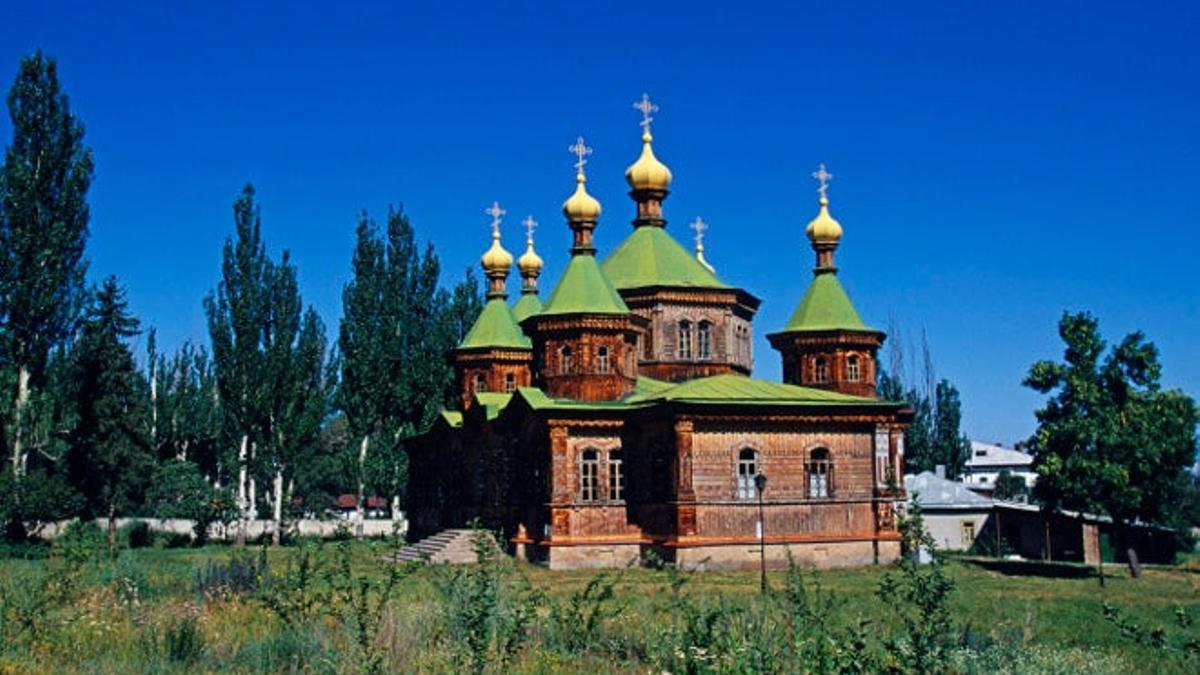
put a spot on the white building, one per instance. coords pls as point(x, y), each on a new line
point(988, 460)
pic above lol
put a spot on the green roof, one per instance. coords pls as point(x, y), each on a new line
point(495, 327)
point(452, 417)
point(825, 306)
point(493, 402)
point(651, 257)
point(583, 289)
point(739, 389)
point(527, 305)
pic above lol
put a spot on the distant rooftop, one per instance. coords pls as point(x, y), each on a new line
point(990, 455)
point(934, 492)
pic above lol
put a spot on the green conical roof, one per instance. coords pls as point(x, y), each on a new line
point(825, 306)
point(584, 289)
point(495, 327)
point(651, 257)
point(527, 305)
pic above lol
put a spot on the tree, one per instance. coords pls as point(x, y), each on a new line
point(178, 489)
point(1009, 487)
point(43, 229)
point(396, 332)
point(108, 460)
point(950, 448)
point(184, 408)
point(1109, 439)
point(237, 314)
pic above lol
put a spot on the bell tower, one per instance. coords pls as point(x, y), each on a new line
point(825, 344)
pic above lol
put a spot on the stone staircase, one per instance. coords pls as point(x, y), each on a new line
point(451, 547)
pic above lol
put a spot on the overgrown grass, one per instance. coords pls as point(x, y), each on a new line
point(338, 608)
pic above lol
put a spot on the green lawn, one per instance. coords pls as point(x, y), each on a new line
point(147, 611)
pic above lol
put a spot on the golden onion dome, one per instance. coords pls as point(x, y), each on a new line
point(530, 262)
point(581, 206)
point(496, 259)
point(647, 173)
point(824, 229)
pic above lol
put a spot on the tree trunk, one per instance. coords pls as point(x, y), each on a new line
point(112, 528)
point(362, 487)
point(253, 484)
point(241, 499)
point(277, 534)
point(19, 405)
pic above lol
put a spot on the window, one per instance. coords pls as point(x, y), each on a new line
point(852, 372)
point(616, 476)
point(480, 383)
point(564, 361)
point(684, 350)
point(747, 469)
point(602, 362)
point(820, 370)
point(704, 340)
point(589, 466)
point(968, 533)
point(818, 474)
point(510, 382)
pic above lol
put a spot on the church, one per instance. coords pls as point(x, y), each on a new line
point(617, 418)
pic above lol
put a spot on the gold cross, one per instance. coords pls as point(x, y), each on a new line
point(530, 225)
point(580, 151)
point(823, 177)
point(699, 226)
point(645, 107)
point(495, 212)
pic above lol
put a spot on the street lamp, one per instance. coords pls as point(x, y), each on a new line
point(760, 482)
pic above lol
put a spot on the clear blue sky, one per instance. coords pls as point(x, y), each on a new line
point(994, 165)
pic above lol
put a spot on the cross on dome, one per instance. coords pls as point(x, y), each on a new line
point(823, 177)
point(530, 225)
point(645, 107)
point(700, 227)
point(496, 213)
point(580, 151)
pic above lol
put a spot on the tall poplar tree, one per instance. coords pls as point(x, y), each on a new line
point(237, 313)
point(108, 460)
point(43, 229)
point(397, 330)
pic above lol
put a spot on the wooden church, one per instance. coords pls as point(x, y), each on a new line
point(619, 417)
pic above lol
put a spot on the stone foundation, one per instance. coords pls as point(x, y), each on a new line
point(819, 554)
point(592, 556)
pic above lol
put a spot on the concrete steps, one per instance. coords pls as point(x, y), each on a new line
point(449, 547)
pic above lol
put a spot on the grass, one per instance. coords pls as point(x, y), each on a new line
point(143, 612)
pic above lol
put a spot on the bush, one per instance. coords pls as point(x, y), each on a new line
point(136, 534)
point(241, 575)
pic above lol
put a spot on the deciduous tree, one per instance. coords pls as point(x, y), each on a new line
point(1109, 439)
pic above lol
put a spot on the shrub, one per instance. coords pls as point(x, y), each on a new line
point(241, 575)
point(136, 534)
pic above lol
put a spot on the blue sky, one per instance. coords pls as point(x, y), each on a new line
point(995, 163)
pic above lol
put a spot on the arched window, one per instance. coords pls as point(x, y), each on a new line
point(564, 361)
point(603, 364)
point(616, 476)
point(684, 350)
point(852, 369)
point(747, 469)
point(704, 340)
point(589, 469)
point(820, 370)
point(510, 382)
point(820, 473)
point(480, 383)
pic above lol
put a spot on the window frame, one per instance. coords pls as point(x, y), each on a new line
point(589, 475)
point(820, 370)
point(704, 346)
point(616, 476)
point(744, 487)
point(565, 360)
point(853, 368)
point(603, 360)
point(685, 335)
point(818, 472)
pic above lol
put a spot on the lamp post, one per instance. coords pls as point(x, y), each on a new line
point(760, 482)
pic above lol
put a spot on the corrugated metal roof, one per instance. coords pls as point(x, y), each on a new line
point(933, 492)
